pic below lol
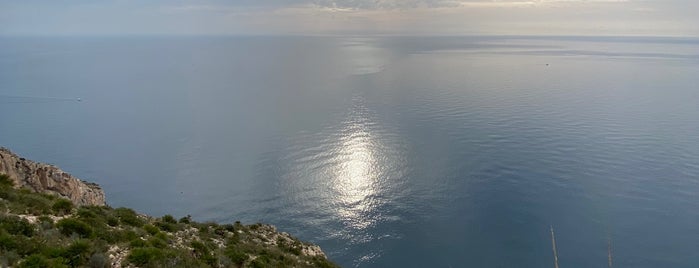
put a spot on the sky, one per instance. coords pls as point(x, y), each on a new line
point(350, 17)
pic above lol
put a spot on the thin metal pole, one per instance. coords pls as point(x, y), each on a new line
point(555, 252)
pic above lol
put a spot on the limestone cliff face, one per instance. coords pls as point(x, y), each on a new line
point(46, 178)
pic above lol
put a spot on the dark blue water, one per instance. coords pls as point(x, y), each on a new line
point(396, 151)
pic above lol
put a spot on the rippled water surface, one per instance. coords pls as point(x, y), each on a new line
point(392, 151)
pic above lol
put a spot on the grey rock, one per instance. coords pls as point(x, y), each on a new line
point(45, 178)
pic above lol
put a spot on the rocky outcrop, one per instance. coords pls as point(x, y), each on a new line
point(50, 179)
point(185, 243)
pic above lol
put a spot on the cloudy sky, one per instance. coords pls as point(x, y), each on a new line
point(354, 17)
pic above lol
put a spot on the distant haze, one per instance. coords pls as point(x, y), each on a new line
point(355, 17)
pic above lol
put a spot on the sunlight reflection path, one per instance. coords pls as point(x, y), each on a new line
point(356, 180)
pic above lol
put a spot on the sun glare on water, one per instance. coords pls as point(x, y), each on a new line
point(358, 171)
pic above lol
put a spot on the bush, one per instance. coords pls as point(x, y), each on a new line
point(70, 226)
point(98, 260)
point(202, 252)
point(33, 203)
point(112, 221)
point(7, 242)
point(39, 261)
point(167, 227)
point(186, 220)
point(145, 256)
point(93, 215)
point(62, 206)
point(199, 247)
point(128, 216)
point(168, 219)
point(236, 255)
point(116, 235)
point(138, 243)
point(53, 252)
point(16, 226)
point(157, 242)
point(152, 230)
point(77, 253)
point(229, 227)
point(45, 223)
point(5, 181)
point(35, 260)
point(261, 261)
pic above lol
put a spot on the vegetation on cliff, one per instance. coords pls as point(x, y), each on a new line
point(42, 230)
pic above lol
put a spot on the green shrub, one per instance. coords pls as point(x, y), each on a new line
point(236, 255)
point(70, 226)
point(85, 213)
point(199, 248)
point(77, 253)
point(35, 260)
point(229, 227)
point(138, 243)
point(167, 227)
point(112, 221)
point(32, 203)
point(98, 260)
point(116, 235)
point(168, 219)
point(145, 256)
point(203, 252)
point(5, 181)
point(53, 252)
point(152, 230)
point(30, 245)
point(186, 220)
point(16, 225)
point(128, 216)
point(93, 215)
point(62, 206)
point(162, 236)
point(39, 261)
point(7, 194)
point(7, 242)
point(261, 261)
point(220, 230)
point(157, 242)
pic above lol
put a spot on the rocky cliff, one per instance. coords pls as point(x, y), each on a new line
point(50, 179)
point(41, 230)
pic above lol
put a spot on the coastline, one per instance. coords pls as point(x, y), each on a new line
point(34, 195)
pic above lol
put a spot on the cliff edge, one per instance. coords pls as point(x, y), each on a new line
point(49, 218)
point(45, 178)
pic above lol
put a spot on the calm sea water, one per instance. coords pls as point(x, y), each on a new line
point(395, 151)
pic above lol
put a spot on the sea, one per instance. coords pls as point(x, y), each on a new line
point(387, 151)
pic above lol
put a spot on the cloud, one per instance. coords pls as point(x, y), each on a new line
point(406, 4)
point(428, 17)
